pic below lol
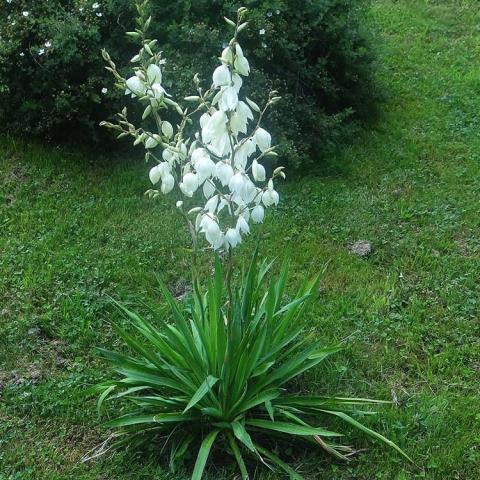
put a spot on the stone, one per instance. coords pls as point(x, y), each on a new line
point(361, 248)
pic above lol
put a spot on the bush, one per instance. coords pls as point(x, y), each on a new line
point(218, 373)
point(314, 52)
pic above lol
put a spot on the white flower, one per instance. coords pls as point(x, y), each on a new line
point(99, 14)
point(229, 99)
point(242, 66)
point(224, 172)
point(237, 82)
point(95, 5)
point(41, 51)
point(167, 129)
point(157, 91)
point(243, 152)
point(215, 126)
point(258, 171)
point(161, 170)
point(237, 184)
point(168, 183)
point(214, 235)
point(48, 44)
point(204, 119)
point(135, 86)
point(262, 31)
point(212, 204)
point(25, 13)
point(227, 55)
point(104, 90)
point(232, 237)
point(22, 54)
point(155, 174)
point(242, 226)
point(190, 181)
point(258, 214)
point(151, 142)
point(263, 139)
point(204, 167)
point(270, 196)
point(154, 74)
point(221, 76)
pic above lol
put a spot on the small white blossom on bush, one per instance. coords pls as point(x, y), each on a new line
point(219, 166)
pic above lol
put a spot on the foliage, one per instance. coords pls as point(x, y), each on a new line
point(215, 372)
point(51, 80)
point(314, 53)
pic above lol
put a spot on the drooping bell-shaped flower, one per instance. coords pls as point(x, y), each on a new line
point(263, 139)
point(258, 214)
point(155, 174)
point(224, 172)
point(205, 168)
point(215, 127)
point(212, 204)
point(237, 184)
point(154, 74)
point(221, 76)
point(151, 142)
point(204, 119)
point(227, 55)
point(243, 152)
point(214, 235)
point(135, 86)
point(258, 171)
point(232, 238)
point(270, 196)
point(167, 129)
point(237, 82)
point(168, 182)
point(229, 99)
point(157, 91)
point(242, 226)
point(190, 183)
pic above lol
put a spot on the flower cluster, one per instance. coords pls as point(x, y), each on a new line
point(220, 165)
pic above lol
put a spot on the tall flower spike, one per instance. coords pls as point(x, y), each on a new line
point(218, 171)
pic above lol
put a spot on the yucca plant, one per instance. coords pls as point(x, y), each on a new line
point(215, 372)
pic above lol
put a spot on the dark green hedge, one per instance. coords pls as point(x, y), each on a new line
point(315, 52)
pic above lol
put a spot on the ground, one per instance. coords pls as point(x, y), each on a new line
point(76, 230)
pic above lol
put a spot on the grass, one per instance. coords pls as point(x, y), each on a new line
point(74, 230)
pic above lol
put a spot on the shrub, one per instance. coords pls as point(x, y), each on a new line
point(51, 79)
point(213, 374)
point(314, 53)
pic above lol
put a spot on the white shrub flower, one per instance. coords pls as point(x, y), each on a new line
point(219, 167)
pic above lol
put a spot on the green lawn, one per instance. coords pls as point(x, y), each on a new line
point(75, 230)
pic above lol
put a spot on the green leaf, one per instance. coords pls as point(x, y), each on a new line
point(128, 420)
point(203, 454)
point(238, 456)
point(372, 433)
point(103, 396)
point(280, 463)
point(240, 432)
point(203, 389)
point(291, 428)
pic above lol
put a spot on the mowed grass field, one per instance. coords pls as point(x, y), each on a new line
point(75, 230)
